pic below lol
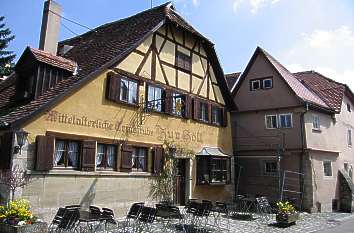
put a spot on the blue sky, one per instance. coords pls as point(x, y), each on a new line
point(301, 34)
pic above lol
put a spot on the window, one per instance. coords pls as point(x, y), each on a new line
point(183, 61)
point(285, 120)
point(139, 159)
point(348, 108)
point(203, 111)
point(217, 115)
point(271, 121)
point(128, 91)
point(327, 168)
point(178, 104)
point(270, 168)
point(267, 83)
point(316, 122)
point(349, 137)
point(255, 85)
point(155, 96)
point(106, 156)
point(213, 170)
point(66, 154)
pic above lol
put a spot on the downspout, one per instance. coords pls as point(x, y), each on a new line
point(303, 142)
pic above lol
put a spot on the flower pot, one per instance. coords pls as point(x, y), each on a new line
point(287, 218)
point(38, 227)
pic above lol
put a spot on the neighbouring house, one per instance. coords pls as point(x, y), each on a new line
point(293, 132)
point(98, 107)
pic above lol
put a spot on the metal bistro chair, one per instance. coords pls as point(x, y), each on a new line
point(176, 217)
point(145, 219)
point(132, 215)
point(201, 215)
point(107, 215)
point(219, 209)
point(264, 209)
point(69, 222)
point(190, 209)
point(57, 219)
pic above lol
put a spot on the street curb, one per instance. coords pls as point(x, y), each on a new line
point(342, 219)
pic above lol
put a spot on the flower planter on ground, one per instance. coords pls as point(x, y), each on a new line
point(287, 219)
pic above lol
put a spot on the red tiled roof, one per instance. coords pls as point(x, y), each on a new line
point(330, 91)
point(231, 79)
point(7, 91)
point(100, 49)
point(53, 60)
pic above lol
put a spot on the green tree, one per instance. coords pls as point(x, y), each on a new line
point(6, 57)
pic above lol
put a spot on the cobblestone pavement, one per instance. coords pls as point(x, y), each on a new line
point(306, 224)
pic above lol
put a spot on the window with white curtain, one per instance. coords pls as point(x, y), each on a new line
point(155, 95)
point(67, 153)
point(139, 159)
point(106, 156)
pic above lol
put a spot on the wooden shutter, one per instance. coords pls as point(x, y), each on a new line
point(45, 153)
point(209, 112)
point(88, 155)
point(168, 101)
point(195, 109)
point(224, 117)
point(113, 88)
point(6, 150)
point(127, 155)
point(188, 107)
point(158, 159)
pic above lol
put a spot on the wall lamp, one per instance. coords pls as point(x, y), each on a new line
point(21, 136)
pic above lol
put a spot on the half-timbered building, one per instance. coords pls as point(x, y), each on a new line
point(98, 110)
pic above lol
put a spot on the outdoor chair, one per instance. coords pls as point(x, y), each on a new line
point(201, 215)
point(132, 215)
point(69, 222)
point(145, 219)
point(57, 219)
point(190, 209)
point(72, 207)
point(107, 215)
point(264, 209)
point(218, 210)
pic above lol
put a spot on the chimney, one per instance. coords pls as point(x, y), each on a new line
point(50, 27)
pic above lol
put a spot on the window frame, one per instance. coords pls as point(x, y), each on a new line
point(291, 121)
point(105, 157)
point(129, 80)
point(207, 170)
point(269, 173)
point(186, 59)
point(200, 112)
point(316, 120)
point(134, 157)
point(256, 81)
point(174, 96)
point(276, 120)
point(267, 79)
point(163, 97)
point(221, 115)
point(66, 154)
point(324, 168)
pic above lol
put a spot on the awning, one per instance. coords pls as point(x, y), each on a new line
point(212, 151)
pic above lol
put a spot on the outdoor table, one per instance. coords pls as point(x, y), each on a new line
point(242, 207)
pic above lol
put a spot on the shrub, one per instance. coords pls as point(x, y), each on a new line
point(17, 212)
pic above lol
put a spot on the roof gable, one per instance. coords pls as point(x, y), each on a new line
point(299, 90)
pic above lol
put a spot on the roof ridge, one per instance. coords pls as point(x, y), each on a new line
point(165, 5)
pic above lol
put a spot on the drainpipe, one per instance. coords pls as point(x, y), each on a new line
point(303, 140)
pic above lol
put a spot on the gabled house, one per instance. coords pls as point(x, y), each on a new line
point(292, 135)
point(98, 111)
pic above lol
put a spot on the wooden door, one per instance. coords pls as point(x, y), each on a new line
point(180, 191)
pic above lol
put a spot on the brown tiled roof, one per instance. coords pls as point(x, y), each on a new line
point(231, 79)
point(300, 90)
point(100, 49)
point(330, 91)
point(53, 60)
point(7, 90)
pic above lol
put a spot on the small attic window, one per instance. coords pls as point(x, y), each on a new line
point(348, 108)
point(255, 85)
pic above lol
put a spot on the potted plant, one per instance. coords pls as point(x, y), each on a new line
point(286, 214)
point(16, 217)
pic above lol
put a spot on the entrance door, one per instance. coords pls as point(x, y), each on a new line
point(180, 192)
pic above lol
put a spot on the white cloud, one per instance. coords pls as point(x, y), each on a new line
point(196, 3)
point(330, 52)
point(254, 5)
